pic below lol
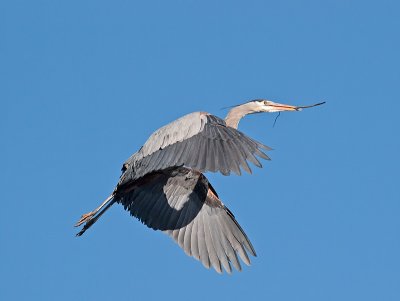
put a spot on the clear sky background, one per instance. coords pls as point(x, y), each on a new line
point(84, 83)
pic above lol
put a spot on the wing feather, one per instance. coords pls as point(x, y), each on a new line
point(194, 242)
point(211, 157)
point(212, 254)
point(181, 203)
point(220, 153)
point(218, 242)
point(194, 141)
point(204, 257)
point(187, 241)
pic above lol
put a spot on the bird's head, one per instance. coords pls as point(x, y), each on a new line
point(259, 106)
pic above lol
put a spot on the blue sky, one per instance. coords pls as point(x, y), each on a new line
point(84, 83)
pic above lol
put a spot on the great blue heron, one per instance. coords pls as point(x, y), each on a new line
point(164, 187)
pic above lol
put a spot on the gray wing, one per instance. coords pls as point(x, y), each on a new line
point(181, 203)
point(199, 141)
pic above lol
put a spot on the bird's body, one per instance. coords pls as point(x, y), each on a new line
point(198, 140)
point(163, 184)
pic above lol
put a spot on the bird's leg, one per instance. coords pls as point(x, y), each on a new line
point(85, 218)
point(94, 219)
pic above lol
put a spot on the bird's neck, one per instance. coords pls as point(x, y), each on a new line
point(236, 114)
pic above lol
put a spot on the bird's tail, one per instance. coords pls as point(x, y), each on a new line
point(90, 218)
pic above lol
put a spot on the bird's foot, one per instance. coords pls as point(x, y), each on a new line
point(85, 218)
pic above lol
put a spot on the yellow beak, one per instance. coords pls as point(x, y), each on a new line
point(283, 107)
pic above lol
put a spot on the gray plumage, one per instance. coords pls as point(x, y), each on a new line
point(177, 199)
point(188, 141)
point(163, 186)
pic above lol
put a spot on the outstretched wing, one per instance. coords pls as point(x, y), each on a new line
point(182, 204)
point(199, 141)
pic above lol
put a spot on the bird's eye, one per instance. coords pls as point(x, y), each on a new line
point(266, 102)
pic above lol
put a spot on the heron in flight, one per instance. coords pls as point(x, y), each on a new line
point(163, 184)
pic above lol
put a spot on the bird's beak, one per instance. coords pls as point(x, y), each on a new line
point(283, 107)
